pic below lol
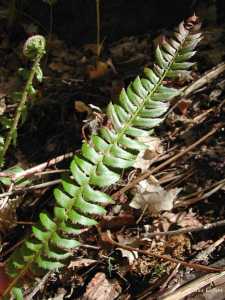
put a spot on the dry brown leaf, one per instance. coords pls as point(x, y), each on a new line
point(188, 220)
point(80, 106)
point(115, 222)
point(146, 157)
point(100, 288)
point(154, 197)
point(100, 70)
point(183, 106)
point(80, 263)
point(130, 255)
point(184, 219)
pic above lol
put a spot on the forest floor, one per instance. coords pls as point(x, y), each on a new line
point(175, 209)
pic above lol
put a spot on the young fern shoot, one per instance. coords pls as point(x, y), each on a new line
point(141, 107)
point(34, 49)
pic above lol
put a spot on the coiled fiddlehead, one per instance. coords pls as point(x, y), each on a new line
point(140, 108)
point(34, 49)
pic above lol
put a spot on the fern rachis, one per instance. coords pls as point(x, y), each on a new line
point(140, 108)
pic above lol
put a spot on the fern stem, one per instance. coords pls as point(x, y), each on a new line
point(20, 108)
point(34, 49)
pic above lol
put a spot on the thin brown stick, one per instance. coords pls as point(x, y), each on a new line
point(200, 195)
point(205, 79)
point(201, 192)
point(17, 222)
point(165, 257)
point(167, 162)
point(48, 172)
point(187, 230)
point(38, 168)
point(38, 286)
point(31, 188)
point(10, 250)
point(205, 253)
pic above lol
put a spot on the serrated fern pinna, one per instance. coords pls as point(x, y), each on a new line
point(140, 108)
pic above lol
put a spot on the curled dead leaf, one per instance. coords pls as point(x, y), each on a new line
point(130, 255)
point(154, 197)
point(146, 157)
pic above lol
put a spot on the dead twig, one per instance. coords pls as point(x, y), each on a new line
point(164, 257)
point(31, 188)
point(204, 254)
point(48, 172)
point(200, 195)
point(4, 202)
point(205, 79)
point(38, 168)
point(167, 162)
point(186, 230)
point(38, 286)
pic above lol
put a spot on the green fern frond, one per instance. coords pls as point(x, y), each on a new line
point(141, 107)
